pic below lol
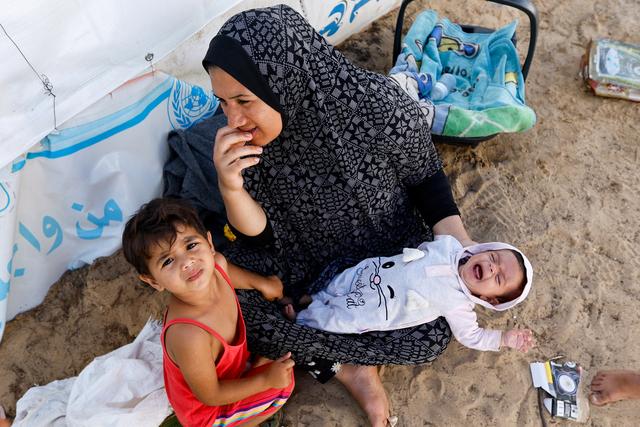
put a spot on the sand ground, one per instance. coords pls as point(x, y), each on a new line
point(566, 192)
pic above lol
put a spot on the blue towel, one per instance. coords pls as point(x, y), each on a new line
point(489, 92)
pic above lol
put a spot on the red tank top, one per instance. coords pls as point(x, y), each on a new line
point(190, 411)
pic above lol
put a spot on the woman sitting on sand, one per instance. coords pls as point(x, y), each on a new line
point(341, 161)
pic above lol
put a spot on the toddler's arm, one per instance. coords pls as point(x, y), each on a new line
point(231, 155)
point(520, 339)
point(190, 347)
point(270, 287)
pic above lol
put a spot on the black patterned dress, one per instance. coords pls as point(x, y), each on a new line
point(334, 184)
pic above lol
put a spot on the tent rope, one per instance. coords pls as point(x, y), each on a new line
point(304, 10)
point(46, 83)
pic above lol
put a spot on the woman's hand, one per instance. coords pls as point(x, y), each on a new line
point(231, 155)
point(230, 159)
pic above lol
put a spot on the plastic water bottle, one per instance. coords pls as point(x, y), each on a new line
point(443, 86)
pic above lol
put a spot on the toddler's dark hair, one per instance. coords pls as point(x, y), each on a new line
point(156, 222)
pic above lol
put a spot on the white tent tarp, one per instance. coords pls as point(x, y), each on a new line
point(85, 50)
point(65, 193)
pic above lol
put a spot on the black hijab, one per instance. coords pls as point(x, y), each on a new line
point(334, 182)
point(227, 53)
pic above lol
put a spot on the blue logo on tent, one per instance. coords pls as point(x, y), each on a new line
point(332, 27)
point(5, 285)
point(4, 289)
point(356, 9)
point(190, 104)
point(5, 198)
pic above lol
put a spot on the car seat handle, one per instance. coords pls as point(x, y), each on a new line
point(529, 9)
point(525, 6)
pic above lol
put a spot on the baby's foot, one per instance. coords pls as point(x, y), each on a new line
point(289, 312)
point(611, 386)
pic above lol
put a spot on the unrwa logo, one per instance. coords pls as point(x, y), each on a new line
point(189, 104)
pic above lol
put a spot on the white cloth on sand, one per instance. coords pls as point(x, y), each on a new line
point(121, 388)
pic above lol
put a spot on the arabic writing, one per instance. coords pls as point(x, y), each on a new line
point(111, 212)
point(4, 285)
point(53, 232)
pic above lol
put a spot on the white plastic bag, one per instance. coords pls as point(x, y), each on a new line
point(122, 388)
point(45, 405)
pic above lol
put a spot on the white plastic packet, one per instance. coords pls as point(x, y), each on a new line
point(563, 385)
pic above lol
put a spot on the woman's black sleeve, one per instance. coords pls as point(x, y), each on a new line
point(265, 238)
point(433, 198)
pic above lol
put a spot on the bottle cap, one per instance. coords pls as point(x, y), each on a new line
point(449, 80)
point(443, 86)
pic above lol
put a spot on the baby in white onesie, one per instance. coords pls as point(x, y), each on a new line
point(439, 278)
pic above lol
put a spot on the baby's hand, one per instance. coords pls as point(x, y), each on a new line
point(280, 372)
point(271, 288)
point(520, 339)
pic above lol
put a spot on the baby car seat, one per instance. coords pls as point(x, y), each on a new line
point(476, 69)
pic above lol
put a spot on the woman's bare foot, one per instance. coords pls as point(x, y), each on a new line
point(611, 386)
point(365, 386)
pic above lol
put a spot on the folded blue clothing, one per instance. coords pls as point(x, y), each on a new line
point(488, 96)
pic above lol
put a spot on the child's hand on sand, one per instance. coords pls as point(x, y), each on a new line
point(520, 339)
point(280, 372)
point(271, 288)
